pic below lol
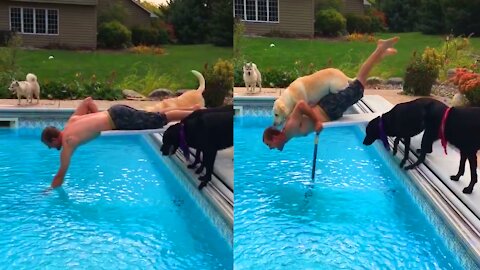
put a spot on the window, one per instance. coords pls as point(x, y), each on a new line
point(28, 20)
point(16, 19)
point(34, 20)
point(52, 21)
point(40, 21)
point(256, 10)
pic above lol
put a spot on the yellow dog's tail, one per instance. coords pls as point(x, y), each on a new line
point(201, 80)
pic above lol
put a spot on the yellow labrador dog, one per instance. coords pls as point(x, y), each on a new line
point(188, 99)
point(310, 88)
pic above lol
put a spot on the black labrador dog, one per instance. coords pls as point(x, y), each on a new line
point(403, 121)
point(461, 127)
point(207, 131)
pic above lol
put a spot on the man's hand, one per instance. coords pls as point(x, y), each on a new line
point(318, 126)
point(57, 181)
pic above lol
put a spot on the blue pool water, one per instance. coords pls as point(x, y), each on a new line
point(119, 208)
point(360, 215)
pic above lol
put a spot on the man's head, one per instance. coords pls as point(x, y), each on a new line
point(274, 138)
point(51, 136)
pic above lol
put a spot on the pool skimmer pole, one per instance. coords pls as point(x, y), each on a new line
point(315, 156)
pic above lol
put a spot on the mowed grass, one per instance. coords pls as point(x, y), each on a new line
point(345, 55)
point(177, 62)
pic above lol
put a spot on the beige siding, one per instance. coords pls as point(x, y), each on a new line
point(296, 18)
point(73, 2)
point(77, 26)
point(137, 16)
point(353, 6)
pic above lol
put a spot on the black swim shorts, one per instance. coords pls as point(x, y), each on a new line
point(335, 105)
point(127, 118)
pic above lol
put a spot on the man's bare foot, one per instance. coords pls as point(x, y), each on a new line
point(385, 46)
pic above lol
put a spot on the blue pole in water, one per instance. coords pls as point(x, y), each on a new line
point(315, 156)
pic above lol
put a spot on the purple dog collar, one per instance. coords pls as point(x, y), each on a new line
point(183, 142)
point(383, 135)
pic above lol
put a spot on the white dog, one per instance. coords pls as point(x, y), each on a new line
point(252, 77)
point(310, 89)
point(28, 89)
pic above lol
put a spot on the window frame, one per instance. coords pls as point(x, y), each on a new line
point(256, 12)
point(46, 23)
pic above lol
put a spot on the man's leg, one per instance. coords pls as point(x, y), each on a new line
point(193, 108)
point(87, 106)
point(384, 48)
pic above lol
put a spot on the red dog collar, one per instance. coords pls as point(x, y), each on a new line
point(441, 132)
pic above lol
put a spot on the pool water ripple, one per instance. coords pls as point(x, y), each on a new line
point(118, 209)
point(360, 215)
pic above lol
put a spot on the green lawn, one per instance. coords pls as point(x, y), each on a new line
point(177, 63)
point(344, 55)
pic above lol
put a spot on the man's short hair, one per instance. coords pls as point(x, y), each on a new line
point(270, 133)
point(49, 133)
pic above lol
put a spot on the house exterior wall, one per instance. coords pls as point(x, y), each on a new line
point(296, 18)
point(77, 25)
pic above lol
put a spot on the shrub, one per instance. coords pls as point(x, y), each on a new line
point(468, 84)
point(114, 35)
point(330, 22)
point(359, 24)
point(149, 36)
point(5, 37)
point(420, 77)
point(360, 37)
point(57, 90)
point(218, 82)
point(326, 4)
point(147, 50)
point(102, 90)
point(273, 77)
point(145, 83)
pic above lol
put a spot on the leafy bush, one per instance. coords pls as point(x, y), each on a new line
point(113, 11)
point(81, 88)
point(218, 82)
point(359, 24)
point(144, 84)
point(420, 76)
point(114, 35)
point(361, 37)
point(330, 22)
point(147, 50)
point(149, 36)
point(326, 4)
point(57, 90)
point(469, 84)
point(5, 37)
point(274, 77)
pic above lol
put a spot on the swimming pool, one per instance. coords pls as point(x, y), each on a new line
point(120, 207)
point(363, 213)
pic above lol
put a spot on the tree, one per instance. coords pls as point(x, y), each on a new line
point(461, 16)
point(402, 15)
point(189, 19)
point(221, 22)
point(431, 17)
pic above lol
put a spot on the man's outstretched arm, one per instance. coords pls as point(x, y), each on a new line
point(64, 163)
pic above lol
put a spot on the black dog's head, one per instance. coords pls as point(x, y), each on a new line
point(372, 131)
point(171, 140)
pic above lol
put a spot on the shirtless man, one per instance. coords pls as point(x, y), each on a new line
point(305, 119)
point(87, 122)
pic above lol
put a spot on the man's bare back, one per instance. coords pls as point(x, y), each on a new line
point(82, 128)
